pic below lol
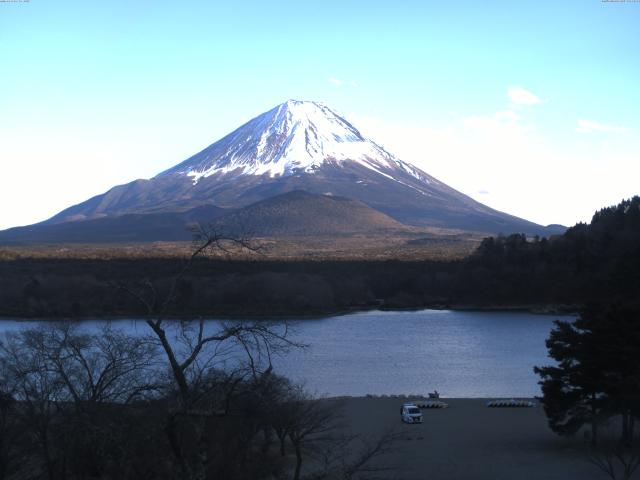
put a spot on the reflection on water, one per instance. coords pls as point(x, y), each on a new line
point(460, 354)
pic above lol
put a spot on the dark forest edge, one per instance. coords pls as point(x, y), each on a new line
point(596, 262)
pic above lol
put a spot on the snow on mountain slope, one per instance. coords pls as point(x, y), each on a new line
point(296, 136)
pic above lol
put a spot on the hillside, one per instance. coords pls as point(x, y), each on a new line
point(306, 214)
point(169, 226)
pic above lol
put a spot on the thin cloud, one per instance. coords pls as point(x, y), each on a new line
point(588, 126)
point(337, 82)
point(507, 116)
point(487, 153)
point(520, 96)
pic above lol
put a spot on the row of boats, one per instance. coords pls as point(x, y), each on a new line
point(491, 404)
point(511, 403)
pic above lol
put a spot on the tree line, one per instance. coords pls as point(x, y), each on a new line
point(596, 261)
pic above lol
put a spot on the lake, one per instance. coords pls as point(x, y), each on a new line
point(459, 353)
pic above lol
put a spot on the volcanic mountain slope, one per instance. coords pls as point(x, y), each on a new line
point(130, 227)
point(296, 213)
point(300, 146)
point(303, 213)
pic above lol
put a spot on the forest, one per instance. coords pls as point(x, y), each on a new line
point(590, 262)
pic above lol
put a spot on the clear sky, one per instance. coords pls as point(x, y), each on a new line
point(532, 107)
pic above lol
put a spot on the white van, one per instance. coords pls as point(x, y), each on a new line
point(410, 413)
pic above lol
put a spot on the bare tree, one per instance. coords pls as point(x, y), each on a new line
point(10, 435)
point(315, 430)
point(191, 340)
point(64, 382)
point(108, 366)
point(40, 393)
point(193, 349)
point(313, 424)
point(350, 456)
point(615, 457)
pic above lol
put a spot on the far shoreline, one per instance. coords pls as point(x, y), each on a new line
point(533, 309)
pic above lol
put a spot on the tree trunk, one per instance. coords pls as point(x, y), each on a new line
point(296, 474)
point(174, 443)
point(44, 439)
point(178, 373)
point(282, 437)
point(594, 421)
point(626, 439)
point(4, 456)
point(267, 434)
point(203, 452)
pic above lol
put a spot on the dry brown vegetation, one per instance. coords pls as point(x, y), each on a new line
point(421, 245)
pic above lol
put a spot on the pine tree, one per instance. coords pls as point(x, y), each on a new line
point(597, 375)
point(572, 390)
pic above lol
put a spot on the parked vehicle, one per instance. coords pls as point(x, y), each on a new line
point(410, 413)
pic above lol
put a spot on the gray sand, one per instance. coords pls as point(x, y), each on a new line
point(470, 441)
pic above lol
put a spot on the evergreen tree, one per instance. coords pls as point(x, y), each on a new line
point(598, 371)
point(572, 390)
point(617, 329)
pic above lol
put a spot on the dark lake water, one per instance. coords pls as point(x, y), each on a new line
point(458, 353)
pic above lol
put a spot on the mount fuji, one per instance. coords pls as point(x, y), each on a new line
point(296, 146)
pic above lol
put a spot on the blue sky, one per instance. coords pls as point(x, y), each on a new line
point(530, 107)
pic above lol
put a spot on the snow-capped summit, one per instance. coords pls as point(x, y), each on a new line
point(296, 136)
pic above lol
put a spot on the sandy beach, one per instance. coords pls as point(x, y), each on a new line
point(468, 440)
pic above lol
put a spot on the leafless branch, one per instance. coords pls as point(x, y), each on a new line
point(615, 459)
